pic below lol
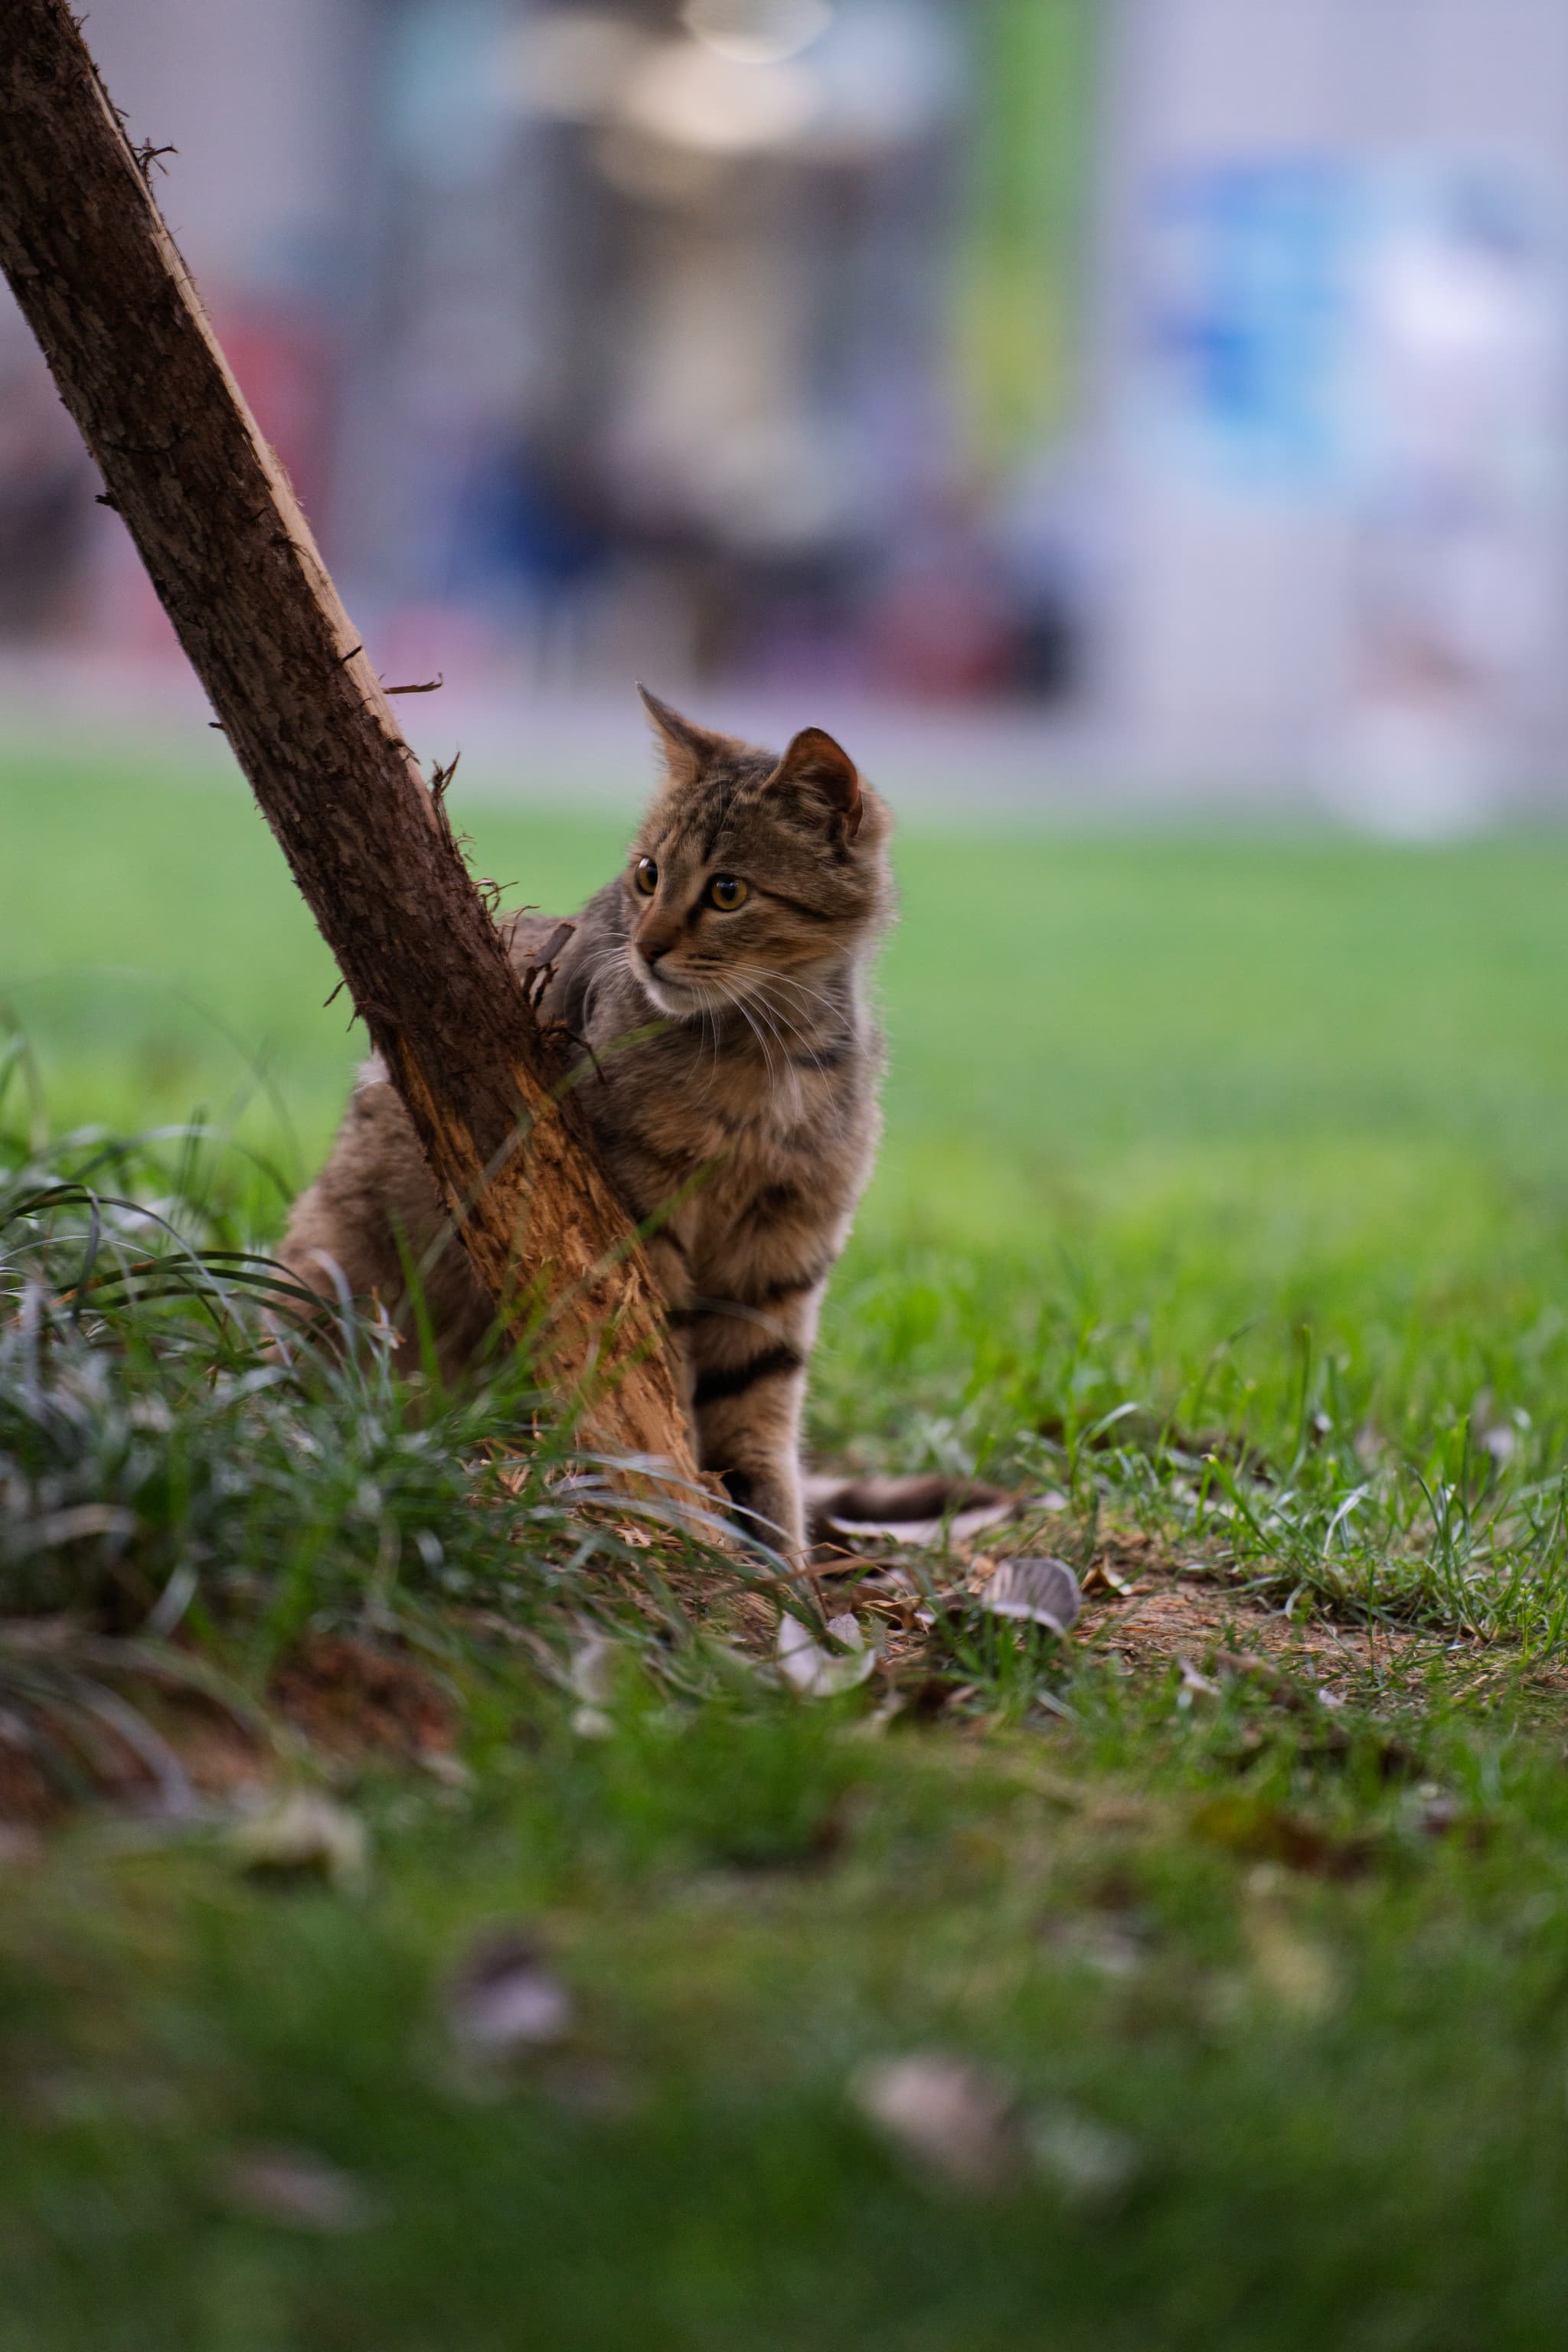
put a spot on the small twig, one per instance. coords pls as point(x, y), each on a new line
point(538, 975)
point(335, 994)
point(346, 659)
point(146, 155)
point(429, 686)
point(102, 498)
point(553, 1030)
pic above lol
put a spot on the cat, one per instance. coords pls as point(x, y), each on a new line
point(720, 983)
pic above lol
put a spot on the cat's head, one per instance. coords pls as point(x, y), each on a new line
point(750, 866)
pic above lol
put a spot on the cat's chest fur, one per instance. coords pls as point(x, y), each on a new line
point(748, 1151)
point(735, 1153)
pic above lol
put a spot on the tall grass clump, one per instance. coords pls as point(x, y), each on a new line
point(172, 1454)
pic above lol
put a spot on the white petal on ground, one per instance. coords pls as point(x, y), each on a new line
point(1044, 1591)
point(814, 1672)
point(955, 2121)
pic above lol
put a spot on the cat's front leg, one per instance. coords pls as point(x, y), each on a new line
point(748, 1390)
point(760, 1465)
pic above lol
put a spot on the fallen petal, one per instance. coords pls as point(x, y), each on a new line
point(1044, 1591)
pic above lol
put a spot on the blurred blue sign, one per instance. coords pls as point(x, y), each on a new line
point(1248, 316)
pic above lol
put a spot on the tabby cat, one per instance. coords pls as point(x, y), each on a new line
point(721, 984)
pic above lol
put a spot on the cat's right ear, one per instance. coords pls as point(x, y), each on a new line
point(825, 767)
point(687, 747)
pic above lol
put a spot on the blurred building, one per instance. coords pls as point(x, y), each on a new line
point(658, 332)
point(1330, 397)
point(1192, 365)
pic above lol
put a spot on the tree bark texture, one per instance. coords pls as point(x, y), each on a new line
point(100, 281)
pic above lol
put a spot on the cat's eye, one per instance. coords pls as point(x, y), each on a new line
point(727, 891)
point(645, 874)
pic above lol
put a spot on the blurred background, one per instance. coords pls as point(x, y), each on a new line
point(1073, 401)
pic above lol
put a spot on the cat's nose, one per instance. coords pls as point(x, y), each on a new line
point(652, 950)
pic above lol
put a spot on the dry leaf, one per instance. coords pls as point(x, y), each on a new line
point(1268, 1832)
point(814, 1672)
point(1301, 1974)
point(297, 2190)
point(1088, 2164)
point(1110, 1948)
point(955, 2122)
point(503, 2000)
point(1044, 1591)
point(18, 1845)
point(591, 1672)
point(302, 1834)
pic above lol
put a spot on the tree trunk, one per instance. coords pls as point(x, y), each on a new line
point(232, 557)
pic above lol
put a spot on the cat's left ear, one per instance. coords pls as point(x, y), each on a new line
point(822, 766)
point(687, 747)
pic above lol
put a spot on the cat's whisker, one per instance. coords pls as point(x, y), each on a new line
point(779, 1020)
point(775, 1022)
point(778, 1016)
point(745, 1012)
point(790, 980)
point(773, 1017)
point(775, 978)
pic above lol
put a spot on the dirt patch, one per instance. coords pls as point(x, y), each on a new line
point(29, 1798)
point(352, 1698)
point(158, 1741)
point(1150, 1611)
point(1149, 1608)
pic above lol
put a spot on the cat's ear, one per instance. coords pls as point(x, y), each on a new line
point(687, 747)
point(822, 766)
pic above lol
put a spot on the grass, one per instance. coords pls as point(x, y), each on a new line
point(1223, 1192)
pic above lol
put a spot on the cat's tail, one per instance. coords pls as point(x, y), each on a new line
point(909, 1510)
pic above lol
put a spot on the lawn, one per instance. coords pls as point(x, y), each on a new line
point(1223, 1196)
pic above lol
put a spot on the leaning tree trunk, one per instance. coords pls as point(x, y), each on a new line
point(97, 276)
